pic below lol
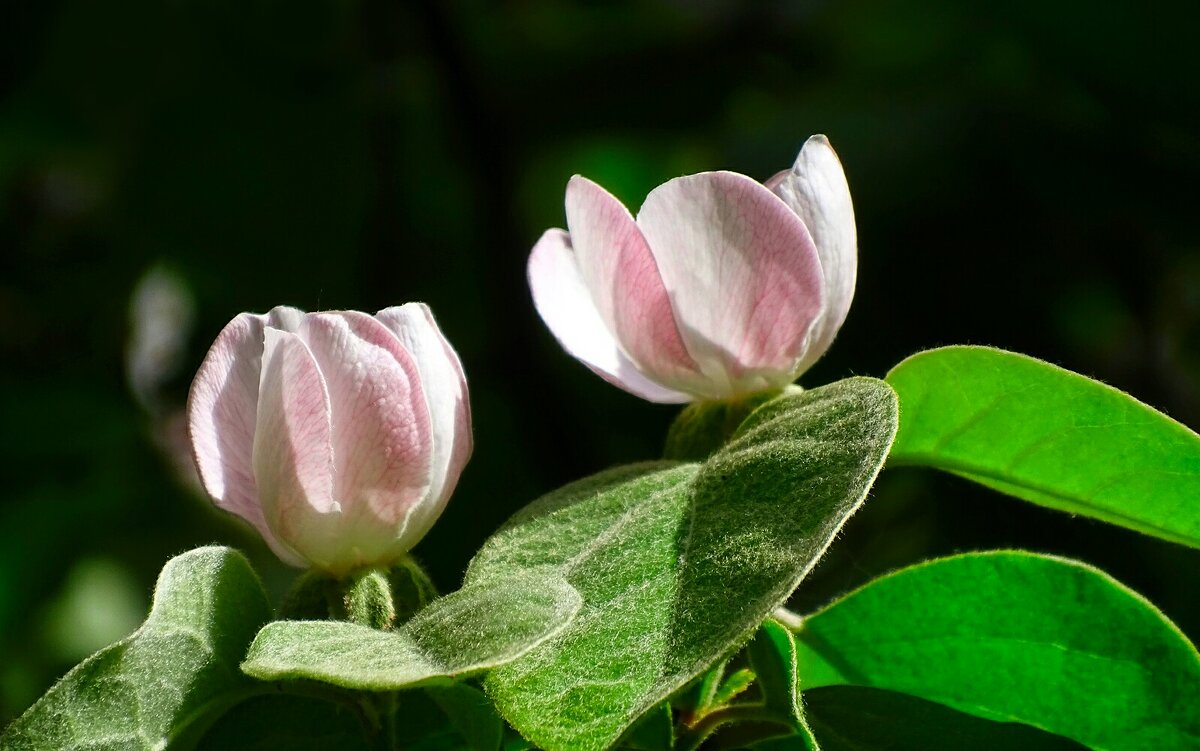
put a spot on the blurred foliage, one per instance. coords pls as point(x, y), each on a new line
point(1025, 175)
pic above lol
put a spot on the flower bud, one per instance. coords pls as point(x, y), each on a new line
point(339, 436)
point(720, 288)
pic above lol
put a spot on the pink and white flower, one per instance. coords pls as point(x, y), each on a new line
point(720, 287)
point(339, 436)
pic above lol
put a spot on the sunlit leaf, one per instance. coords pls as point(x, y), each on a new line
point(478, 627)
point(678, 565)
point(1053, 437)
point(168, 679)
point(1016, 637)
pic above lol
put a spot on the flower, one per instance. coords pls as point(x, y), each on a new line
point(339, 436)
point(720, 288)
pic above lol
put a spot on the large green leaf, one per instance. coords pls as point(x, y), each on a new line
point(168, 679)
point(678, 565)
point(478, 627)
point(1016, 636)
point(853, 718)
point(1033, 430)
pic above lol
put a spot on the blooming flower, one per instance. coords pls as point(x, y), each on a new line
point(721, 286)
point(339, 436)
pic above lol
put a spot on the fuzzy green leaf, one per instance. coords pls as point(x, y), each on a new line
point(773, 654)
point(678, 565)
point(852, 718)
point(1016, 637)
point(167, 680)
point(1033, 430)
point(476, 628)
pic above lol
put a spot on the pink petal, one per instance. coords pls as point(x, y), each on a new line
point(743, 275)
point(564, 303)
point(815, 188)
point(382, 443)
point(222, 409)
point(619, 270)
point(285, 318)
point(445, 388)
point(293, 460)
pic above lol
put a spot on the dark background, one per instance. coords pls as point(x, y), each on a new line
point(1025, 175)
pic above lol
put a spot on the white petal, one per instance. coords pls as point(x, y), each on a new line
point(293, 458)
point(285, 318)
point(565, 304)
point(382, 443)
point(619, 271)
point(815, 188)
point(445, 388)
point(222, 409)
point(743, 275)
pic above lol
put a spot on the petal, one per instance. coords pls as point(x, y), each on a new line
point(815, 188)
point(285, 318)
point(222, 409)
point(293, 460)
point(742, 272)
point(565, 305)
point(382, 443)
point(619, 270)
point(445, 388)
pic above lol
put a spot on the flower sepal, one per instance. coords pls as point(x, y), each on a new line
point(381, 598)
point(704, 427)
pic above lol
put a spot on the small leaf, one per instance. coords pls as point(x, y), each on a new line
point(773, 654)
point(733, 686)
point(476, 628)
point(169, 678)
point(1033, 430)
point(850, 718)
point(295, 723)
point(678, 565)
point(1020, 637)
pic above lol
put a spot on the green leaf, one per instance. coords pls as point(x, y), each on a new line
point(471, 713)
point(476, 628)
point(295, 723)
point(168, 679)
point(678, 565)
point(773, 654)
point(733, 686)
point(851, 718)
point(655, 731)
point(1050, 436)
point(1016, 636)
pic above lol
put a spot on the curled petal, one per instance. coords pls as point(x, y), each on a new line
point(382, 447)
point(743, 275)
point(815, 188)
point(445, 389)
point(284, 318)
point(565, 304)
point(619, 271)
point(292, 455)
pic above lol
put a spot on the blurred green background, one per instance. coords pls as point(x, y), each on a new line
point(1025, 175)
